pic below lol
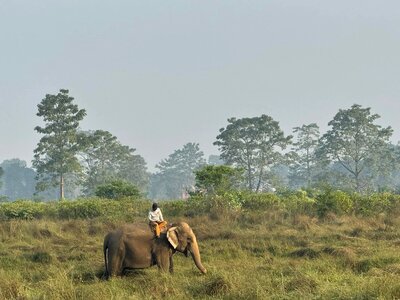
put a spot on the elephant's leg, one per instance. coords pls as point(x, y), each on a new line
point(163, 262)
point(115, 259)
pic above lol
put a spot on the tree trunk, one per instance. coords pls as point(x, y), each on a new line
point(61, 187)
point(259, 179)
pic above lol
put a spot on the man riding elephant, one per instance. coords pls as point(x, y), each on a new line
point(156, 220)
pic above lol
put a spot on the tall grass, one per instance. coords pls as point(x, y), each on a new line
point(260, 252)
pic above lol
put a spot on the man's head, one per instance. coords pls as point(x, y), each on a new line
point(154, 206)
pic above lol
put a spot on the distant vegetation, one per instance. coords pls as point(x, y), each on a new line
point(312, 203)
point(354, 155)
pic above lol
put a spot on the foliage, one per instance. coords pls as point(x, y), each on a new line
point(354, 140)
point(319, 203)
point(24, 209)
point(55, 154)
point(299, 202)
point(333, 201)
point(262, 201)
point(304, 155)
point(105, 158)
point(252, 144)
point(175, 174)
point(117, 189)
point(215, 179)
point(18, 180)
point(376, 203)
point(74, 209)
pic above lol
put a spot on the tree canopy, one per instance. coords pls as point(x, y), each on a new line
point(104, 158)
point(117, 189)
point(354, 140)
point(217, 178)
point(18, 179)
point(253, 144)
point(304, 154)
point(176, 173)
point(56, 153)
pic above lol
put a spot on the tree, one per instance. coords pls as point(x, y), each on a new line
point(56, 152)
point(104, 159)
point(117, 189)
point(252, 144)
point(383, 169)
point(18, 180)
point(354, 140)
point(218, 178)
point(304, 157)
point(176, 173)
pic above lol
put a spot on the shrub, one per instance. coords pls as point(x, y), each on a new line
point(117, 189)
point(299, 202)
point(216, 179)
point(175, 208)
point(376, 203)
point(22, 209)
point(337, 202)
point(264, 201)
point(80, 209)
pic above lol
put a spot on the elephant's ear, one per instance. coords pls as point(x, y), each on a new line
point(172, 237)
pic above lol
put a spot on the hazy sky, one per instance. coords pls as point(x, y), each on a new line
point(159, 74)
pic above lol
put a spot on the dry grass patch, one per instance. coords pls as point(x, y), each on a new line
point(346, 255)
point(303, 222)
point(301, 284)
point(305, 252)
point(216, 285)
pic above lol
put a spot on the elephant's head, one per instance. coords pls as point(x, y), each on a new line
point(182, 239)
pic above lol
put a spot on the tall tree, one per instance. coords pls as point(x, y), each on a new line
point(353, 141)
point(105, 159)
point(304, 158)
point(176, 173)
point(253, 144)
point(19, 180)
point(383, 168)
point(56, 152)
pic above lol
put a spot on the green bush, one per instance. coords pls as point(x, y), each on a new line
point(80, 209)
point(75, 209)
point(337, 202)
point(24, 209)
point(299, 202)
point(376, 203)
point(175, 208)
point(117, 189)
point(256, 201)
point(218, 179)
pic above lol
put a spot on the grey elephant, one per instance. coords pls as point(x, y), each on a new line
point(134, 246)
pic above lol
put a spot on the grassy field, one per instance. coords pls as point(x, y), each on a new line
point(249, 255)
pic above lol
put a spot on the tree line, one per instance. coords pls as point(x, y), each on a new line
point(354, 154)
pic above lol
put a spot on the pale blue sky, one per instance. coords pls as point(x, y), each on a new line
point(159, 74)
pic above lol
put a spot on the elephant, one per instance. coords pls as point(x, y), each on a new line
point(134, 246)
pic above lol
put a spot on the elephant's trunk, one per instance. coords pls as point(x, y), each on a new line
point(194, 251)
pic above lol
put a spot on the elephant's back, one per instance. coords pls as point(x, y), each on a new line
point(136, 230)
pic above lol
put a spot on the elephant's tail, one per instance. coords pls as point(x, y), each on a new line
point(105, 251)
